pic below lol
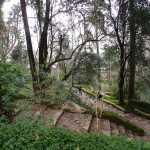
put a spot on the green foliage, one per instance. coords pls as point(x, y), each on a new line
point(88, 89)
point(114, 100)
point(143, 84)
point(19, 53)
point(61, 92)
point(31, 136)
point(87, 69)
point(8, 88)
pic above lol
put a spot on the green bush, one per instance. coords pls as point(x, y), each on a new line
point(25, 135)
point(61, 92)
point(8, 88)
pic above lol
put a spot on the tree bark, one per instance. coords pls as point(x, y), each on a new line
point(132, 51)
point(43, 47)
point(120, 40)
point(122, 67)
point(29, 44)
point(97, 47)
point(121, 78)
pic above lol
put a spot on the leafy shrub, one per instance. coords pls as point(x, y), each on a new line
point(86, 69)
point(8, 89)
point(61, 92)
point(25, 135)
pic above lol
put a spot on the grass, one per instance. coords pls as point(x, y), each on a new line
point(30, 136)
point(115, 101)
point(88, 89)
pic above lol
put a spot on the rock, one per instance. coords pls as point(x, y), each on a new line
point(73, 107)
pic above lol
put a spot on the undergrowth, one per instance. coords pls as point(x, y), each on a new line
point(26, 135)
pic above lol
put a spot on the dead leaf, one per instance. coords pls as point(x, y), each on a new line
point(37, 138)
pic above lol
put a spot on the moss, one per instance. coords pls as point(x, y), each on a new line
point(136, 104)
point(118, 107)
point(94, 95)
point(90, 111)
point(115, 101)
point(113, 117)
point(122, 121)
point(143, 114)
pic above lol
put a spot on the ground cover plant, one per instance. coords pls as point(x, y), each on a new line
point(8, 86)
point(25, 135)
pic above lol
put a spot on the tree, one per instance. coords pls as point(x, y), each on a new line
point(139, 29)
point(10, 32)
point(19, 53)
point(132, 49)
point(120, 28)
point(111, 65)
point(1, 28)
point(86, 69)
point(50, 48)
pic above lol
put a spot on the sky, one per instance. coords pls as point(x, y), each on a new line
point(7, 8)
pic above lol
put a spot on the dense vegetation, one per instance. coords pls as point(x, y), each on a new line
point(27, 135)
point(99, 45)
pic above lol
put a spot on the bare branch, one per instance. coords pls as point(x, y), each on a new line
point(80, 46)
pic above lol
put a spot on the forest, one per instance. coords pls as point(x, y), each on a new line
point(75, 74)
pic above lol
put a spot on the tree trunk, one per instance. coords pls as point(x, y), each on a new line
point(29, 45)
point(122, 69)
point(43, 48)
point(110, 81)
point(132, 51)
point(97, 47)
point(121, 78)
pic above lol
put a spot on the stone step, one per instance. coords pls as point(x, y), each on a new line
point(75, 121)
point(31, 110)
point(146, 122)
point(129, 133)
point(52, 116)
point(136, 136)
point(114, 129)
point(93, 127)
point(144, 138)
point(148, 139)
point(121, 129)
point(103, 126)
